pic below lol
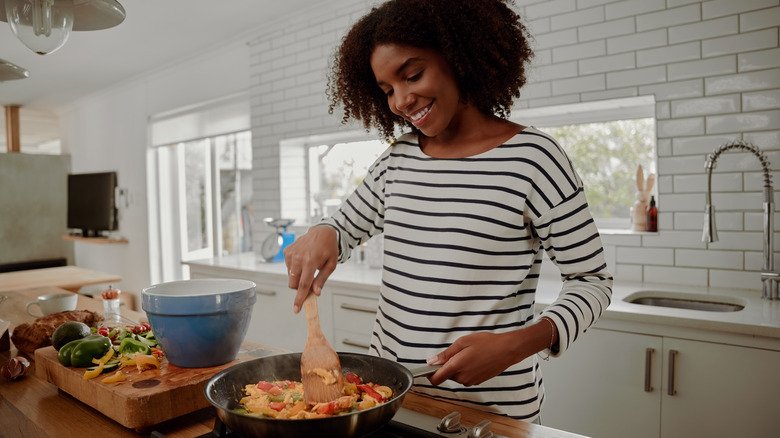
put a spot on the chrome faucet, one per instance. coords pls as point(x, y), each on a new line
point(769, 277)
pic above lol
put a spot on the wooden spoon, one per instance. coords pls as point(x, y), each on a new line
point(318, 360)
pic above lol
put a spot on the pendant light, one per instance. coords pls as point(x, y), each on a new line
point(44, 25)
point(10, 71)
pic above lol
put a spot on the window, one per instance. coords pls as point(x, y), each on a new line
point(606, 141)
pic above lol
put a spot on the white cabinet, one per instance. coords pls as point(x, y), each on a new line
point(353, 320)
point(608, 385)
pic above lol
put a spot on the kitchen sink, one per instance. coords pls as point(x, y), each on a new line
point(679, 300)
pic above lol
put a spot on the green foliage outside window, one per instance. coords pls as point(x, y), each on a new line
point(606, 155)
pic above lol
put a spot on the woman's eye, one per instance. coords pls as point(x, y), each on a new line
point(415, 77)
point(389, 92)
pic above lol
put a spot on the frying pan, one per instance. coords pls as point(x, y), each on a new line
point(225, 390)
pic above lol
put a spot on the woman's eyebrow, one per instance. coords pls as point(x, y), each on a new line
point(402, 67)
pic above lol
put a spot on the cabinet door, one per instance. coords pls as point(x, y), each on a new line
point(720, 391)
point(597, 388)
point(353, 320)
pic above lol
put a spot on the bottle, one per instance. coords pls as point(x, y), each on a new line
point(652, 216)
point(111, 315)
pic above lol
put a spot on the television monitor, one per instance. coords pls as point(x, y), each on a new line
point(91, 203)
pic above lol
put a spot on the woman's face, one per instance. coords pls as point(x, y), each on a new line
point(419, 86)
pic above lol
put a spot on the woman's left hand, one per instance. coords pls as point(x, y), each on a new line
point(477, 357)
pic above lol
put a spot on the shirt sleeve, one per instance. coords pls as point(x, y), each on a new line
point(362, 214)
point(572, 241)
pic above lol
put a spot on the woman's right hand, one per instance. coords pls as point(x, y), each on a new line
point(310, 260)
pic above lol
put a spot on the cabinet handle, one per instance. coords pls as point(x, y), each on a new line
point(350, 342)
point(358, 308)
point(268, 293)
point(672, 356)
point(648, 365)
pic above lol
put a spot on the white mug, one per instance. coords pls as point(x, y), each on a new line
point(53, 303)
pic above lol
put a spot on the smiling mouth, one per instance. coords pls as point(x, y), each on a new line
point(419, 115)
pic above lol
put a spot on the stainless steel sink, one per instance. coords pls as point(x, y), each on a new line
point(679, 300)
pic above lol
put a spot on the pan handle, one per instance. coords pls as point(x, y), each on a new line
point(424, 371)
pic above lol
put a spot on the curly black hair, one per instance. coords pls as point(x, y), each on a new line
point(483, 41)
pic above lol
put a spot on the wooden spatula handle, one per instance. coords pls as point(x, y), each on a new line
point(312, 316)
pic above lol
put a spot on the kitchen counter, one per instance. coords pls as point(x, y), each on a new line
point(67, 277)
point(760, 319)
point(31, 407)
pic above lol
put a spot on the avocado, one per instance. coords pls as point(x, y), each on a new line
point(69, 331)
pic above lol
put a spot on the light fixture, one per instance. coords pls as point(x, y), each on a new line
point(44, 25)
point(10, 71)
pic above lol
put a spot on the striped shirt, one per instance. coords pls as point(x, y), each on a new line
point(462, 254)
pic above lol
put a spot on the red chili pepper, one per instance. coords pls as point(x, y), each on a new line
point(371, 393)
point(277, 406)
point(264, 386)
point(353, 378)
point(157, 352)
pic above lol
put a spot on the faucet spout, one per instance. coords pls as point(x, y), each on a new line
point(769, 277)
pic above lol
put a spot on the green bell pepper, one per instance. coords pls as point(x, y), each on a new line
point(79, 353)
point(132, 346)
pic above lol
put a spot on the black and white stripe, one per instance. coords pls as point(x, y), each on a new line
point(462, 241)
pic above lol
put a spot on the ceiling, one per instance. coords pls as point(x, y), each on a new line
point(155, 34)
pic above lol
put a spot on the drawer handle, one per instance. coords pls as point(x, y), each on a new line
point(358, 308)
point(268, 293)
point(672, 356)
point(351, 343)
point(648, 365)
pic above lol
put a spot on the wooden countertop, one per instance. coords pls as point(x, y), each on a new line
point(67, 277)
point(32, 407)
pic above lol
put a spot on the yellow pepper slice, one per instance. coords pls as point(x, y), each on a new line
point(143, 361)
point(115, 378)
point(106, 357)
point(91, 374)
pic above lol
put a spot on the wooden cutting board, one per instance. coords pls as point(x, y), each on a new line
point(144, 398)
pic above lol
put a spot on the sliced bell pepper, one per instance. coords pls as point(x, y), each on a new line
point(115, 378)
point(131, 346)
point(371, 393)
point(353, 378)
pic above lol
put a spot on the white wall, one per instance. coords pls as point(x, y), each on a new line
point(108, 131)
point(712, 66)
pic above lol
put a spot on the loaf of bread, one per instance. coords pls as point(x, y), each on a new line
point(29, 337)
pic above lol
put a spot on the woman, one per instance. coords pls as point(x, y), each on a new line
point(466, 201)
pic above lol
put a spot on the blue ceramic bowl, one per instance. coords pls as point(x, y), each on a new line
point(202, 322)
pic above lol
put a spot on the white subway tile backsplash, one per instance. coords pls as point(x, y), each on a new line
point(754, 260)
point(744, 42)
point(663, 111)
point(764, 140)
point(582, 4)
point(706, 105)
point(557, 100)
point(627, 8)
point(555, 39)
point(741, 82)
point(637, 41)
point(728, 221)
point(737, 202)
point(602, 64)
point(708, 258)
point(674, 239)
point(679, 127)
point(753, 121)
point(758, 60)
point(663, 147)
point(606, 29)
point(579, 51)
point(578, 18)
point(729, 182)
point(665, 184)
point(704, 29)
point(719, 8)
point(689, 202)
point(632, 273)
point(733, 240)
point(639, 255)
point(637, 76)
point(554, 71)
point(549, 8)
point(665, 221)
point(702, 68)
point(540, 26)
point(668, 17)
point(675, 3)
point(760, 19)
point(622, 239)
point(668, 54)
point(579, 84)
point(761, 100)
point(616, 93)
point(684, 276)
point(735, 279)
point(536, 90)
point(700, 145)
point(674, 90)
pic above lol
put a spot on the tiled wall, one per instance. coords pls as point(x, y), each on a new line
point(713, 67)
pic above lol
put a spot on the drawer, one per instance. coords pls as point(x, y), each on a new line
point(354, 314)
point(353, 342)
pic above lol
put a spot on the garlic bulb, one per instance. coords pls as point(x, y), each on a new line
point(14, 368)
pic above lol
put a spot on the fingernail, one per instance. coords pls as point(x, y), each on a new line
point(433, 360)
point(296, 308)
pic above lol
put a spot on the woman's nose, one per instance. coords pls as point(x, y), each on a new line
point(403, 100)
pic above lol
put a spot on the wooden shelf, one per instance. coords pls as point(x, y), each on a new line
point(100, 240)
